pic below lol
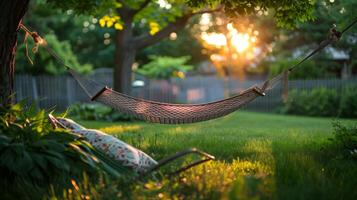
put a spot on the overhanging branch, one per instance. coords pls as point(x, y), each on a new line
point(142, 6)
point(146, 40)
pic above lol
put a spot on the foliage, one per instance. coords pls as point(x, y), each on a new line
point(89, 43)
point(185, 44)
point(348, 103)
point(44, 63)
point(307, 70)
point(92, 111)
point(346, 138)
point(323, 102)
point(165, 67)
point(317, 102)
point(35, 157)
point(308, 35)
point(287, 13)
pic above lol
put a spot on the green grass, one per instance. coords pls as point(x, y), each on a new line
point(259, 156)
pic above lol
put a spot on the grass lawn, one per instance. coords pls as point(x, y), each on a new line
point(259, 156)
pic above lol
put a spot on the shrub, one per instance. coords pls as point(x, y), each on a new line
point(318, 102)
point(44, 64)
point(323, 102)
point(98, 112)
point(348, 102)
point(346, 138)
point(165, 67)
point(35, 157)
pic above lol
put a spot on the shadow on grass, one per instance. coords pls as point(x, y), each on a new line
point(312, 171)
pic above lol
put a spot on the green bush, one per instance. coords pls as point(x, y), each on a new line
point(346, 138)
point(323, 102)
point(165, 67)
point(318, 102)
point(348, 102)
point(98, 112)
point(34, 157)
point(43, 63)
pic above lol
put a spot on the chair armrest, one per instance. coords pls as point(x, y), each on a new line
point(207, 157)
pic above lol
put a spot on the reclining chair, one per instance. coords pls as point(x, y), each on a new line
point(109, 145)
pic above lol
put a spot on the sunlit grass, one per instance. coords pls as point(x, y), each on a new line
point(120, 129)
point(259, 156)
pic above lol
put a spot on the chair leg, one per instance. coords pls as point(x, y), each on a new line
point(165, 161)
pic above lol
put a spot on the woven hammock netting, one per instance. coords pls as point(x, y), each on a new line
point(166, 113)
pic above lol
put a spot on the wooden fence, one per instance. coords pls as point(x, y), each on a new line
point(62, 91)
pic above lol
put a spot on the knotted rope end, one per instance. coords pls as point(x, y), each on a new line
point(334, 35)
point(36, 38)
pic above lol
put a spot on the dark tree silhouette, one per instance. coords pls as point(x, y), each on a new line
point(11, 13)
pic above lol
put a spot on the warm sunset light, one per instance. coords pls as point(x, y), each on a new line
point(215, 39)
point(229, 47)
point(240, 42)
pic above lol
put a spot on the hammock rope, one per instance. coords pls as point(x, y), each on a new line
point(167, 113)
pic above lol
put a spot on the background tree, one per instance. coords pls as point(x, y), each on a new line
point(293, 44)
point(165, 67)
point(164, 17)
point(43, 63)
point(78, 33)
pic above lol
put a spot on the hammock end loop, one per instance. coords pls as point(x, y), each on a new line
point(334, 35)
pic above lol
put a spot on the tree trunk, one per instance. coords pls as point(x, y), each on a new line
point(11, 13)
point(127, 45)
point(124, 58)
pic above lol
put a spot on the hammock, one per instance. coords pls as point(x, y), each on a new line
point(167, 113)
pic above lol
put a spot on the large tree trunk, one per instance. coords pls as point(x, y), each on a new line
point(124, 58)
point(127, 45)
point(11, 13)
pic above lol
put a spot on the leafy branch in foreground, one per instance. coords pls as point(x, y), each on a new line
point(346, 138)
point(35, 157)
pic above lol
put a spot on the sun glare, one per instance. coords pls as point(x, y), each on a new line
point(230, 49)
point(215, 39)
point(240, 42)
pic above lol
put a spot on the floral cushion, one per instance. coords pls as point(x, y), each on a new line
point(69, 124)
point(111, 146)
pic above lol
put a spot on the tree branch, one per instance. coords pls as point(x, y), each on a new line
point(219, 9)
point(142, 6)
point(146, 40)
point(131, 11)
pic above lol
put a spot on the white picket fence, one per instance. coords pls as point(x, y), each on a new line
point(62, 91)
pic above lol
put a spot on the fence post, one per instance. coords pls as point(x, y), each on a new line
point(69, 92)
point(34, 91)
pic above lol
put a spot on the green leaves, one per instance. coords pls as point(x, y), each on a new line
point(323, 102)
point(164, 67)
point(33, 153)
point(44, 63)
point(287, 13)
point(93, 111)
point(346, 137)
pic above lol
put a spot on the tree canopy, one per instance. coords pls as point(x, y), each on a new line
point(287, 12)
